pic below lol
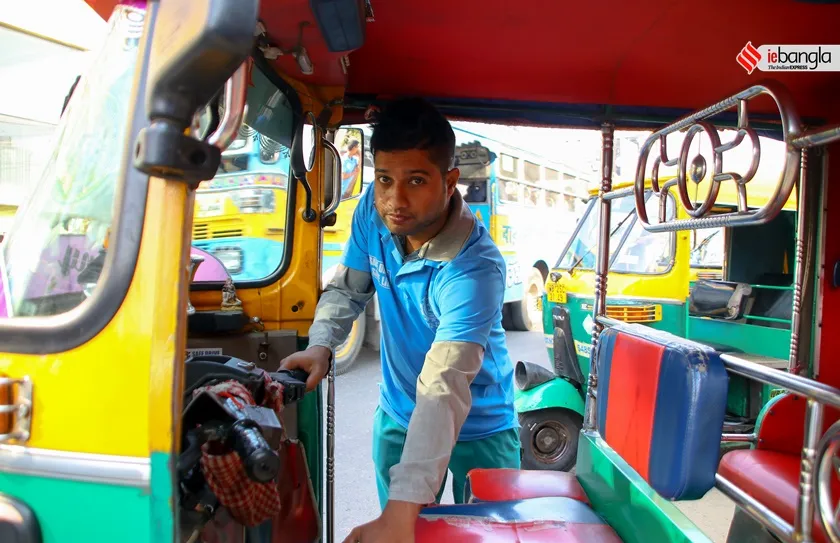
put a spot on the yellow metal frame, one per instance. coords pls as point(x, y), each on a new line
point(136, 362)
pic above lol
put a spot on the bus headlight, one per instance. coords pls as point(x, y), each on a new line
point(230, 257)
point(254, 200)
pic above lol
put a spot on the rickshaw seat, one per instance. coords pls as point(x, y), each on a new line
point(502, 484)
point(661, 406)
point(772, 478)
point(536, 520)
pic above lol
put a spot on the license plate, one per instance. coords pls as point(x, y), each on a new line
point(556, 293)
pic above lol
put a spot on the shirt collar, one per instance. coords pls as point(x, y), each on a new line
point(446, 245)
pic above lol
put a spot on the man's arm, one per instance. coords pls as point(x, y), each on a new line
point(443, 403)
point(470, 303)
point(340, 305)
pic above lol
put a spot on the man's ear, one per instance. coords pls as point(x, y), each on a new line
point(452, 177)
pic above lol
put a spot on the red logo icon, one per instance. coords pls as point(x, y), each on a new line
point(749, 57)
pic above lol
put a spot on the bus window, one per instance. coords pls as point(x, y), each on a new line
point(473, 192)
point(532, 195)
point(509, 191)
point(643, 251)
point(532, 172)
point(509, 165)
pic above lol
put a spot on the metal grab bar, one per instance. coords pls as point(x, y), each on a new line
point(236, 94)
point(817, 137)
point(336, 178)
point(801, 386)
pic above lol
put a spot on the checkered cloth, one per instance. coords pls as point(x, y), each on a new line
point(249, 502)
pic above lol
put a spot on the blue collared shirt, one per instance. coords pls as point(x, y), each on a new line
point(452, 289)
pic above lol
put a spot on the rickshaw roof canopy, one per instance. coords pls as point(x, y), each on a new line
point(639, 64)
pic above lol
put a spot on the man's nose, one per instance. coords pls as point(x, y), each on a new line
point(399, 196)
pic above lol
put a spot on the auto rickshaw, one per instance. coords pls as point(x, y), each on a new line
point(111, 429)
point(654, 280)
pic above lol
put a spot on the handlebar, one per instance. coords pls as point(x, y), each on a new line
point(244, 431)
point(260, 462)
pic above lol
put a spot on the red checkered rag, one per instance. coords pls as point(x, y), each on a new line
point(249, 502)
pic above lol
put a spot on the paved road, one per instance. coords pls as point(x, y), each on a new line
point(357, 394)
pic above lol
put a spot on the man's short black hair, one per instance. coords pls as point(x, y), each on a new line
point(414, 123)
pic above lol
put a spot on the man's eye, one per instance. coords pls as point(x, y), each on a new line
point(383, 179)
point(417, 180)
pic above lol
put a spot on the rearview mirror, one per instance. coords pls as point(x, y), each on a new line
point(304, 146)
point(354, 161)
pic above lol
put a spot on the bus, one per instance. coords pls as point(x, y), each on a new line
point(524, 199)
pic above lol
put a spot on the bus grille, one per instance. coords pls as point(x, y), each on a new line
point(203, 231)
point(635, 313)
point(710, 276)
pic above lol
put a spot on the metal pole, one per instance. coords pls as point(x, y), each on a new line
point(805, 504)
point(331, 454)
point(601, 269)
point(799, 263)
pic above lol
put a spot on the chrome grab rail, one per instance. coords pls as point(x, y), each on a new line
point(817, 137)
point(696, 169)
point(328, 145)
point(236, 95)
point(817, 395)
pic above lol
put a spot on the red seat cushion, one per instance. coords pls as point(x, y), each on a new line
point(538, 520)
point(772, 478)
point(500, 484)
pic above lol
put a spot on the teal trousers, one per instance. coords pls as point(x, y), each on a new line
point(501, 450)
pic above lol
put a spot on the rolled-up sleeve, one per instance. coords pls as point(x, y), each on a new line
point(470, 304)
point(350, 289)
point(344, 299)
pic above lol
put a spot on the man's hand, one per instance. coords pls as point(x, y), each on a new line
point(394, 525)
point(315, 361)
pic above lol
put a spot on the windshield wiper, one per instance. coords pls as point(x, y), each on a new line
point(618, 226)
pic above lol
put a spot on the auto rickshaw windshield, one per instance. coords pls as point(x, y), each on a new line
point(62, 228)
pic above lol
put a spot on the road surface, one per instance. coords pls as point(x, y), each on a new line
point(357, 394)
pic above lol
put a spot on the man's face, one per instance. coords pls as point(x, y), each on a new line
point(410, 191)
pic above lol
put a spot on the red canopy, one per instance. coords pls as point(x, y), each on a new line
point(557, 56)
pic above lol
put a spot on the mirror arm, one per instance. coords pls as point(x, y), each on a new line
point(309, 213)
point(336, 199)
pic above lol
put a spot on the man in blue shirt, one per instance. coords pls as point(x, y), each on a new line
point(446, 400)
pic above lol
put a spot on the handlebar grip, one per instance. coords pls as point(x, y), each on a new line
point(294, 384)
point(260, 462)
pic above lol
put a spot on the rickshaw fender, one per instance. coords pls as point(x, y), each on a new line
point(557, 393)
